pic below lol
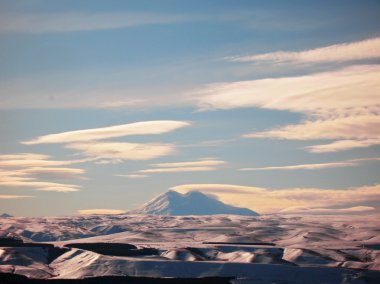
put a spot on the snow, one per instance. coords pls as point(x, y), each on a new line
point(191, 203)
point(306, 249)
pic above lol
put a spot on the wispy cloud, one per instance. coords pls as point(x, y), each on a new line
point(361, 127)
point(208, 143)
point(133, 176)
point(15, 196)
point(100, 211)
point(178, 170)
point(342, 145)
point(94, 144)
point(33, 160)
point(274, 200)
point(304, 166)
point(55, 173)
point(75, 21)
point(23, 156)
point(306, 210)
point(137, 128)
point(318, 93)
point(353, 51)
point(22, 182)
point(192, 166)
point(340, 105)
point(28, 170)
point(201, 163)
point(120, 151)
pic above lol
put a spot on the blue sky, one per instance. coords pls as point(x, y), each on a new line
point(272, 105)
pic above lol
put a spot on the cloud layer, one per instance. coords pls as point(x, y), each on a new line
point(137, 128)
point(319, 166)
point(28, 170)
point(350, 210)
point(340, 105)
point(14, 196)
point(304, 166)
point(360, 50)
point(120, 151)
point(271, 201)
point(100, 211)
point(193, 166)
point(94, 143)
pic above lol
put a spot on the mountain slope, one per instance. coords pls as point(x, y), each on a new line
point(191, 203)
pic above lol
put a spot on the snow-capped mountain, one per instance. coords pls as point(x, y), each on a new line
point(191, 203)
point(5, 215)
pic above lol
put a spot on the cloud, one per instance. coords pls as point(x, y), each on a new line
point(265, 200)
point(209, 143)
point(119, 151)
point(23, 160)
point(100, 211)
point(342, 145)
point(304, 166)
point(90, 142)
point(366, 159)
point(305, 210)
point(137, 128)
point(339, 105)
point(178, 170)
point(25, 170)
point(23, 156)
point(347, 163)
point(133, 176)
point(15, 196)
point(366, 127)
point(201, 163)
point(28, 182)
point(55, 173)
point(76, 21)
point(359, 50)
point(320, 93)
point(193, 166)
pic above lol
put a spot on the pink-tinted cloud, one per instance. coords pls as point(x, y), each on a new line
point(360, 127)
point(120, 151)
point(206, 164)
point(304, 166)
point(100, 211)
point(338, 105)
point(14, 196)
point(133, 176)
point(178, 170)
point(342, 145)
point(265, 200)
point(353, 51)
point(334, 211)
point(85, 135)
point(27, 170)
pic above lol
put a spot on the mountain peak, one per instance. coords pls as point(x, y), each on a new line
point(190, 203)
point(5, 215)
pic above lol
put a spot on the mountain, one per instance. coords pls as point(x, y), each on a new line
point(5, 215)
point(191, 203)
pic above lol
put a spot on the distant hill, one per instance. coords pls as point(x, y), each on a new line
point(191, 203)
point(5, 215)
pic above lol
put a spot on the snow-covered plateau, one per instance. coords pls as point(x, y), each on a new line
point(248, 249)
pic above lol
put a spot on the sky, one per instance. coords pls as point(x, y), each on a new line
point(270, 105)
